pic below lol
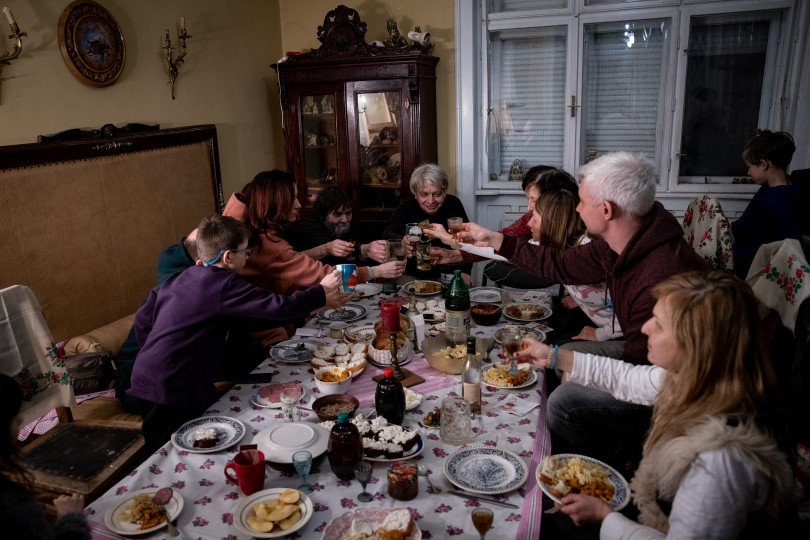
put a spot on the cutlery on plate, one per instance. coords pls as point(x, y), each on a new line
point(160, 499)
point(424, 471)
point(513, 369)
point(479, 498)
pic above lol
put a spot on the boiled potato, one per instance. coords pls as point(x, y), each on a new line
point(261, 511)
point(285, 524)
point(282, 511)
point(260, 525)
point(290, 496)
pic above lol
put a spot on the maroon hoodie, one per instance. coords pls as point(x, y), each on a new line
point(656, 252)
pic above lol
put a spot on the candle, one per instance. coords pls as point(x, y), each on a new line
point(182, 24)
point(390, 317)
point(9, 16)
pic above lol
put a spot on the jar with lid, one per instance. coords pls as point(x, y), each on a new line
point(403, 483)
point(390, 398)
point(345, 447)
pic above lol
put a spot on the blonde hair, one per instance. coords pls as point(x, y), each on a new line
point(725, 370)
point(562, 227)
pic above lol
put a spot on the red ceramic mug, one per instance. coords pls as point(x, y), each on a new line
point(250, 472)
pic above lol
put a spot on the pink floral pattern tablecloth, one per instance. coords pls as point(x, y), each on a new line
point(210, 499)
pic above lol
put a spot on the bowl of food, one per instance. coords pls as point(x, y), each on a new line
point(486, 314)
point(333, 380)
point(445, 356)
point(328, 407)
point(379, 350)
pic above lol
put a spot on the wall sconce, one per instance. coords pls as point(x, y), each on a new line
point(15, 34)
point(173, 63)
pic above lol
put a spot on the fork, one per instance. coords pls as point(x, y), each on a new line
point(513, 369)
point(172, 527)
point(424, 471)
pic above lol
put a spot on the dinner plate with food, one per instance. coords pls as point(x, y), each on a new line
point(486, 294)
point(422, 287)
point(535, 333)
point(366, 290)
point(383, 441)
point(294, 351)
point(526, 312)
point(486, 470)
point(561, 474)
point(269, 396)
point(368, 522)
point(348, 313)
point(273, 513)
point(208, 434)
point(360, 334)
point(137, 514)
point(497, 376)
point(351, 356)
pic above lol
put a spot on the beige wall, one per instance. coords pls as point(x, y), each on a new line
point(226, 79)
point(299, 26)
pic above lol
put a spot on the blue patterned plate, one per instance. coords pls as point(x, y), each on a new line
point(620, 497)
point(351, 312)
point(294, 351)
point(486, 294)
point(485, 470)
point(229, 430)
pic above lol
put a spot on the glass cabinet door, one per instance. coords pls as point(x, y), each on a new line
point(379, 148)
point(319, 131)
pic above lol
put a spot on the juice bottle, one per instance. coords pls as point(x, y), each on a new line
point(390, 398)
point(345, 447)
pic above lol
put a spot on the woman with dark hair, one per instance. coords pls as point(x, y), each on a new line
point(269, 205)
point(20, 515)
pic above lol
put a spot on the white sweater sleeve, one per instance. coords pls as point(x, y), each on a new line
point(624, 381)
point(712, 502)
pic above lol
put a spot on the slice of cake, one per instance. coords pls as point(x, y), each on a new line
point(398, 519)
point(205, 438)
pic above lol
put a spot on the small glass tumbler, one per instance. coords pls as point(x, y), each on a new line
point(302, 461)
point(362, 471)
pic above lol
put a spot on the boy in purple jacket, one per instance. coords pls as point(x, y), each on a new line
point(183, 327)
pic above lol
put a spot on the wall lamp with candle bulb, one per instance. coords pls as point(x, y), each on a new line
point(173, 62)
point(16, 35)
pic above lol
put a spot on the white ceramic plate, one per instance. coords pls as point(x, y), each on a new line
point(406, 288)
point(294, 351)
point(362, 333)
point(532, 379)
point(280, 441)
point(351, 312)
point(229, 430)
point(259, 401)
point(542, 312)
point(486, 294)
point(373, 516)
point(366, 290)
point(485, 470)
point(114, 523)
point(620, 497)
point(245, 511)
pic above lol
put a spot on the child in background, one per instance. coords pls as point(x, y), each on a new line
point(775, 212)
point(184, 325)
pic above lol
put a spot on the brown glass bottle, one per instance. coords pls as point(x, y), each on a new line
point(345, 447)
point(390, 398)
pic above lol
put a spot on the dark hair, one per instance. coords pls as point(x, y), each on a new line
point(776, 147)
point(11, 397)
point(268, 198)
point(330, 200)
point(219, 233)
point(550, 179)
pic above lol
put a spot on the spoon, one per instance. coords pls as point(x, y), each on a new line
point(424, 471)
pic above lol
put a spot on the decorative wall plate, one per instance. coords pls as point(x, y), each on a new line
point(91, 43)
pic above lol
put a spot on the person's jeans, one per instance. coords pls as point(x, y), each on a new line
point(587, 421)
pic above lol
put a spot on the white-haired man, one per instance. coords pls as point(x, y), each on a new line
point(636, 244)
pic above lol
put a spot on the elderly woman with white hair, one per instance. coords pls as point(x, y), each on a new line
point(430, 202)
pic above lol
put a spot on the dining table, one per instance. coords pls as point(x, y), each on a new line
point(209, 500)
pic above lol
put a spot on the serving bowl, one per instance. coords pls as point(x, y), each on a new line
point(486, 314)
point(382, 356)
point(348, 402)
point(329, 388)
point(432, 346)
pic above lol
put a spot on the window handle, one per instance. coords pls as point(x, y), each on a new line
point(573, 106)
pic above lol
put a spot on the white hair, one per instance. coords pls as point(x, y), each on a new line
point(627, 180)
point(428, 173)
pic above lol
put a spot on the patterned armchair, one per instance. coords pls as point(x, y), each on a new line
point(708, 231)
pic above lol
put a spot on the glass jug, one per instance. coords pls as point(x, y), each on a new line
point(456, 423)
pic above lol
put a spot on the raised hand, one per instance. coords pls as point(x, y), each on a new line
point(376, 250)
point(390, 270)
point(340, 248)
point(437, 230)
point(444, 256)
point(480, 236)
point(535, 352)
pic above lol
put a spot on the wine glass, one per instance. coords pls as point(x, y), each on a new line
point(363, 473)
point(482, 520)
point(303, 462)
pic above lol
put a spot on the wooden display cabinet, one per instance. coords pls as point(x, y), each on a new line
point(360, 117)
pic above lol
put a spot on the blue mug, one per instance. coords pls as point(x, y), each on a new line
point(348, 274)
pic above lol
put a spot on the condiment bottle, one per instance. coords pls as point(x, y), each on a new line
point(345, 447)
point(390, 398)
point(457, 307)
point(471, 378)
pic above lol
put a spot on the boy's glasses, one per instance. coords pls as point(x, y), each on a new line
point(247, 252)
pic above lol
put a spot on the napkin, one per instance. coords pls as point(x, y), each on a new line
point(486, 252)
point(306, 332)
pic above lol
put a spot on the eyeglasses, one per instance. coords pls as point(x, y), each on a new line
point(246, 251)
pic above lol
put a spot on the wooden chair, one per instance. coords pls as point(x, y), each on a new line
point(83, 456)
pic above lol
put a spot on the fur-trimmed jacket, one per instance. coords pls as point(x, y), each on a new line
point(744, 446)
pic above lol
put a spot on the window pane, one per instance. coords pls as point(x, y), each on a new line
point(527, 92)
point(724, 83)
point(623, 86)
point(611, 2)
point(380, 149)
point(496, 6)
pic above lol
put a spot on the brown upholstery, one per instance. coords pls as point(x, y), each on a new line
point(107, 338)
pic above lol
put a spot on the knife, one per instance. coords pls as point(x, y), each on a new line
point(481, 499)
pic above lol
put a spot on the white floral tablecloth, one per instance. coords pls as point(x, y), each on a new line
point(210, 499)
